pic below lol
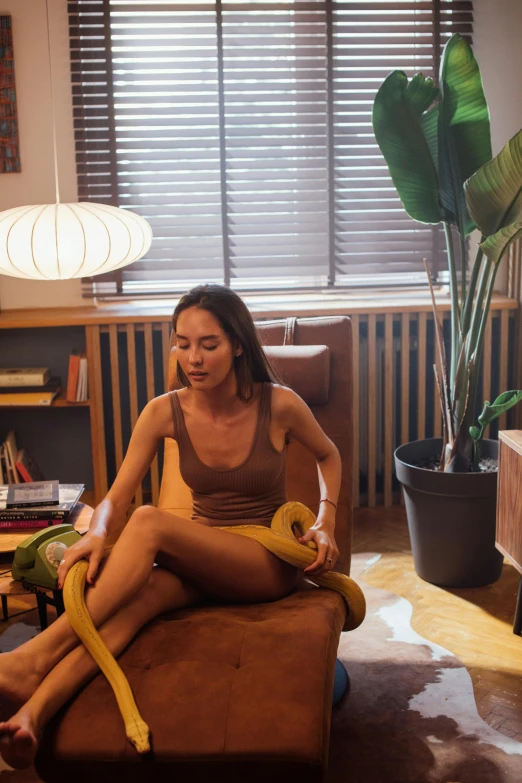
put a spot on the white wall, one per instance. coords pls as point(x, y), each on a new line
point(497, 47)
point(35, 183)
point(496, 36)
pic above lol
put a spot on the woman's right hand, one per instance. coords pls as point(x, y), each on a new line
point(90, 547)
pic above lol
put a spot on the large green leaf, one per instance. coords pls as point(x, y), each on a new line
point(421, 93)
point(490, 412)
point(396, 123)
point(464, 130)
point(430, 127)
point(494, 193)
point(502, 404)
point(496, 244)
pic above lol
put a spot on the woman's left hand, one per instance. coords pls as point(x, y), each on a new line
point(326, 548)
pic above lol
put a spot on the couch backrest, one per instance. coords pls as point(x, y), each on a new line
point(314, 356)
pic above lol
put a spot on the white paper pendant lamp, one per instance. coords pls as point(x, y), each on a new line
point(62, 241)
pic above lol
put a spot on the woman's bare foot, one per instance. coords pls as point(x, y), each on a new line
point(18, 742)
point(18, 682)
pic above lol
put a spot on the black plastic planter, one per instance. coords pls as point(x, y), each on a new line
point(451, 518)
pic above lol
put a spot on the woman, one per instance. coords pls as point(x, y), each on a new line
point(231, 423)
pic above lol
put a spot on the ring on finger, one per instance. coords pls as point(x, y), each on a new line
point(329, 560)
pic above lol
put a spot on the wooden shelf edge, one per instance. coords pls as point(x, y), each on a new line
point(330, 303)
point(512, 438)
point(58, 402)
point(61, 402)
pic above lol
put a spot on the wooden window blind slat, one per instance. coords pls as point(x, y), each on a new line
point(242, 131)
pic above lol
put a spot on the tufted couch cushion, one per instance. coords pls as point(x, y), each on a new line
point(305, 368)
point(251, 690)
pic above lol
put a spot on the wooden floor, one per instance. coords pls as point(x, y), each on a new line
point(474, 623)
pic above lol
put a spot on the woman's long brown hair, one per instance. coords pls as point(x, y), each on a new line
point(236, 321)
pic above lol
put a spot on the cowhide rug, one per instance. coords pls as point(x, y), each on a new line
point(410, 715)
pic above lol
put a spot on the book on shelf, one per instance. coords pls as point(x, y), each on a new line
point(11, 451)
point(32, 494)
point(69, 494)
point(44, 397)
point(53, 383)
point(17, 465)
point(24, 376)
point(77, 384)
point(72, 376)
point(4, 467)
point(27, 468)
point(82, 391)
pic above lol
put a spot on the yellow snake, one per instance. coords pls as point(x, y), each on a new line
point(279, 539)
point(78, 615)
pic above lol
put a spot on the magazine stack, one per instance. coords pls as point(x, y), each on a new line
point(37, 504)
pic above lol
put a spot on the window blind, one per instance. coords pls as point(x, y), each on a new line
point(241, 130)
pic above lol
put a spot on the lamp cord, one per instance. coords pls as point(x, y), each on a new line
point(52, 104)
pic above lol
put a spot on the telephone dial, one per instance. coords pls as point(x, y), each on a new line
point(37, 558)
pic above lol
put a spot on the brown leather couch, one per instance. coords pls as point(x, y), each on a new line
point(232, 692)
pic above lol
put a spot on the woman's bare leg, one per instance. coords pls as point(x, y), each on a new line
point(164, 591)
point(220, 564)
point(22, 670)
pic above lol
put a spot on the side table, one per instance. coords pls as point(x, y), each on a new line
point(509, 508)
point(43, 599)
point(80, 517)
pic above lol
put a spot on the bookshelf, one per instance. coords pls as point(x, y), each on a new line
point(127, 351)
point(58, 436)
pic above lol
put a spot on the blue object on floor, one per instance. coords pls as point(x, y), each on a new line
point(341, 682)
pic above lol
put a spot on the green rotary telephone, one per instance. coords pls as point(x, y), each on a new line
point(37, 558)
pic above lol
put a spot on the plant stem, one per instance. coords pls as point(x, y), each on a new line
point(485, 314)
point(474, 339)
point(469, 414)
point(472, 335)
point(463, 268)
point(468, 305)
point(444, 391)
point(455, 314)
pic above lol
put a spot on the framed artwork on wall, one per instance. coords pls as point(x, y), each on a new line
point(9, 146)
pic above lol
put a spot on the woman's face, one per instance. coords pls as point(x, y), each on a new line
point(203, 349)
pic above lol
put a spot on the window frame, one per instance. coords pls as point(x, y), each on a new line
point(111, 285)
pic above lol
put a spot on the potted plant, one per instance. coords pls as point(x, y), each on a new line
point(437, 145)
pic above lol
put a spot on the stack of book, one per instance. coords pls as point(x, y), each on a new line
point(77, 386)
point(27, 386)
point(17, 465)
point(37, 505)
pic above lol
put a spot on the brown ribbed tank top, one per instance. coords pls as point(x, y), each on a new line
point(250, 493)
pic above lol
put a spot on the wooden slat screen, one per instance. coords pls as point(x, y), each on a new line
point(394, 393)
point(241, 130)
point(395, 399)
